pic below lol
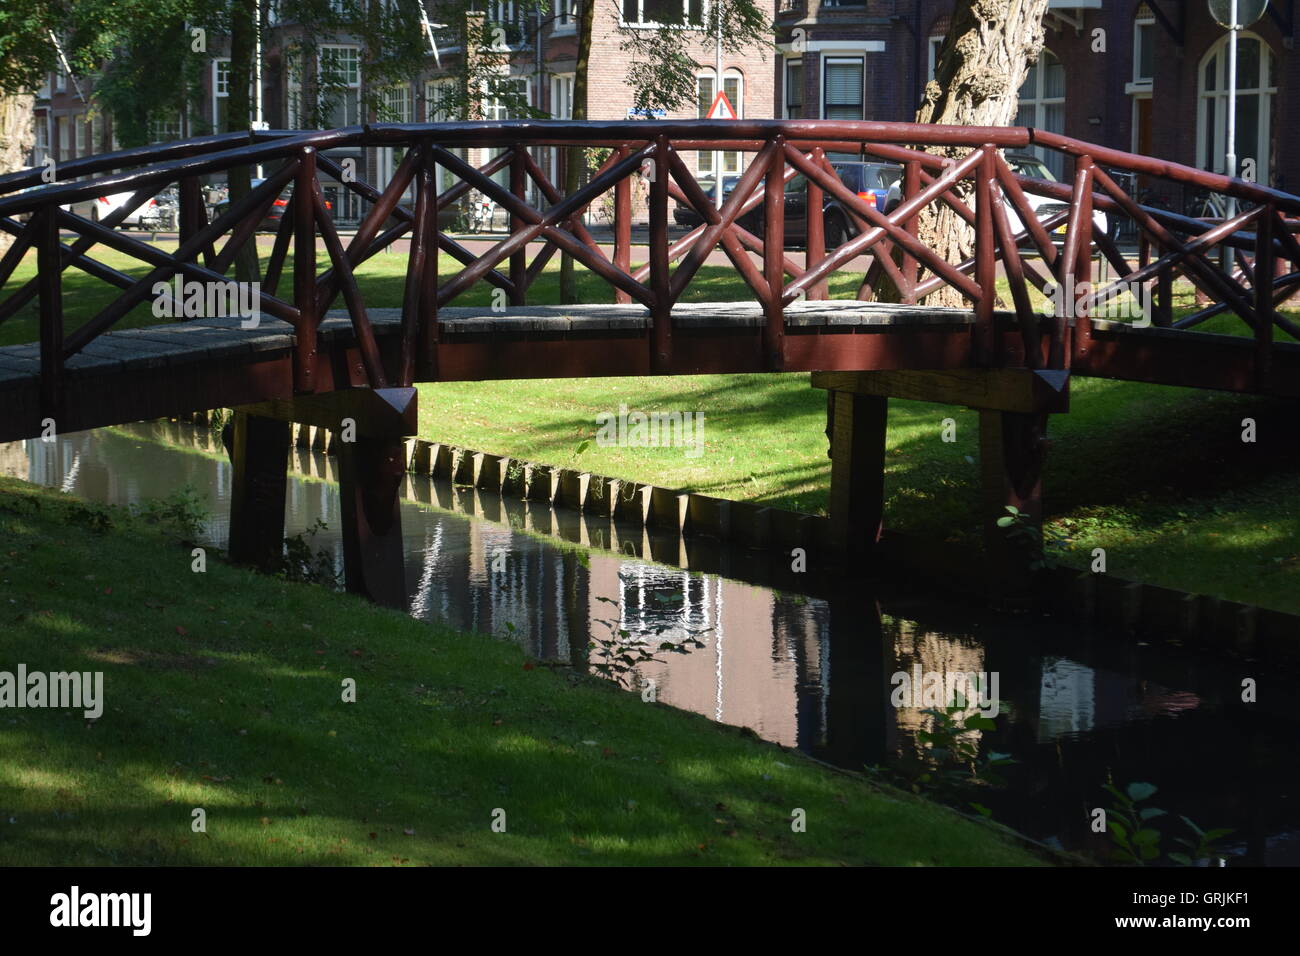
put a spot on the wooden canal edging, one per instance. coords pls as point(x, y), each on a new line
point(687, 529)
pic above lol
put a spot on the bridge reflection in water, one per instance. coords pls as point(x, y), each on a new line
point(1076, 709)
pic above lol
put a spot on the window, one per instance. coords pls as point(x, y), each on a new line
point(395, 105)
point(293, 92)
point(733, 86)
point(1144, 46)
point(441, 106)
point(935, 46)
point(220, 93)
point(440, 101)
point(566, 17)
point(340, 81)
point(1042, 105)
point(509, 18)
point(60, 80)
point(42, 147)
point(842, 88)
point(64, 137)
point(793, 89)
point(642, 13)
point(79, 124)
point(1256, 89)
point(505, 98)
point(165, 128)
point(562, 97)
point(96, 132)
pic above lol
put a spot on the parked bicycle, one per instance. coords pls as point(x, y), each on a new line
point(482, 211)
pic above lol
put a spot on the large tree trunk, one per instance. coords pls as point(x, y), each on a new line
point(988, 50)
point(576, 157)
point(239, 115)
point(17, 137)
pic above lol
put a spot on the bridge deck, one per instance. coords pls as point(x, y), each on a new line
point(163, 369)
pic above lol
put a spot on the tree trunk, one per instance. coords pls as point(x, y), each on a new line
point(239, 115)
point(576, 158)
point(984, 60)
point(17, 136)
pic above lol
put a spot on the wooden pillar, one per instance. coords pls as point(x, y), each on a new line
point(518, 260)
point(1012, 448)
point(622, 226)
point(773, 260)
point(661, 329)
point(371, 471)
point(857, 433)
point(259, 455)
point(816, 232)
point(49, 281)
point(304, 272)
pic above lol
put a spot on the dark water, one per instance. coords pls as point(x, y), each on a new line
point(1077, 709)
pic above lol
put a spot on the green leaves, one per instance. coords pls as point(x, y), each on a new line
point(1138, 844)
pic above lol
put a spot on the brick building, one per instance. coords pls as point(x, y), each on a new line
point(1157, 87)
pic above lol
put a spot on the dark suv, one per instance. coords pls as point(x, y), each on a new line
point(871, 181)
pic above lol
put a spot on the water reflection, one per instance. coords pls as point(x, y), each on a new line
point(808, 671)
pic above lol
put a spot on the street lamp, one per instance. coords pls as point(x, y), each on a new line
point(1234, 16)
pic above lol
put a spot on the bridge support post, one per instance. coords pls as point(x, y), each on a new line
point(370, 426)
point(370, 476)
point(1013, 446)
point(1013, 405)
point(856, 428)
point(259, 454)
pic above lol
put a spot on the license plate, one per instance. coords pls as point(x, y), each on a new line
point(1060, 230)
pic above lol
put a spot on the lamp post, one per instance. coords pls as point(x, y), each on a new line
point(1234, 15)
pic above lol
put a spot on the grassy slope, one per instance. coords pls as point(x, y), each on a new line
point(223, 692)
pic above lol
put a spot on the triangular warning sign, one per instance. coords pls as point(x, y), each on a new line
point(721, 108)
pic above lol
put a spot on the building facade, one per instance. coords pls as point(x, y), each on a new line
point(1145, 76)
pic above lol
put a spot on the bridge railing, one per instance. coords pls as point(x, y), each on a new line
point(961, 171)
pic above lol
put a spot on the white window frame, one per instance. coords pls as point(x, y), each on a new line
point(220, 89)
point(641, 23)
point(293, 106)
point(562, 92)
point(785, 86)
point(79, 133)
point(1040, 102)
point(933, 45)
point(389, 98)
point(432, 114)
point(1263, 138)
point(492, 103)
point(41, 146)
point(848, 55)
point(731, 162)
point(1140, 84)
point(443, 178)
point(566, 18)
point(350, 83)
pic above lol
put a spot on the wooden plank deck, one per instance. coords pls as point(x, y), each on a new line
point(165, 369)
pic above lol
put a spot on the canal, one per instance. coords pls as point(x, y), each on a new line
point(1075, 708)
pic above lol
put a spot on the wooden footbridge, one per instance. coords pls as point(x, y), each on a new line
point(306, 361)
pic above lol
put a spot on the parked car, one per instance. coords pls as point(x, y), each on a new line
point(871, 181)
point(274, 213)
point(158, 214)
point(1044, 207)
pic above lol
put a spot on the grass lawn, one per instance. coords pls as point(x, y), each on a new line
point(223, 692)
point(1157, 476)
